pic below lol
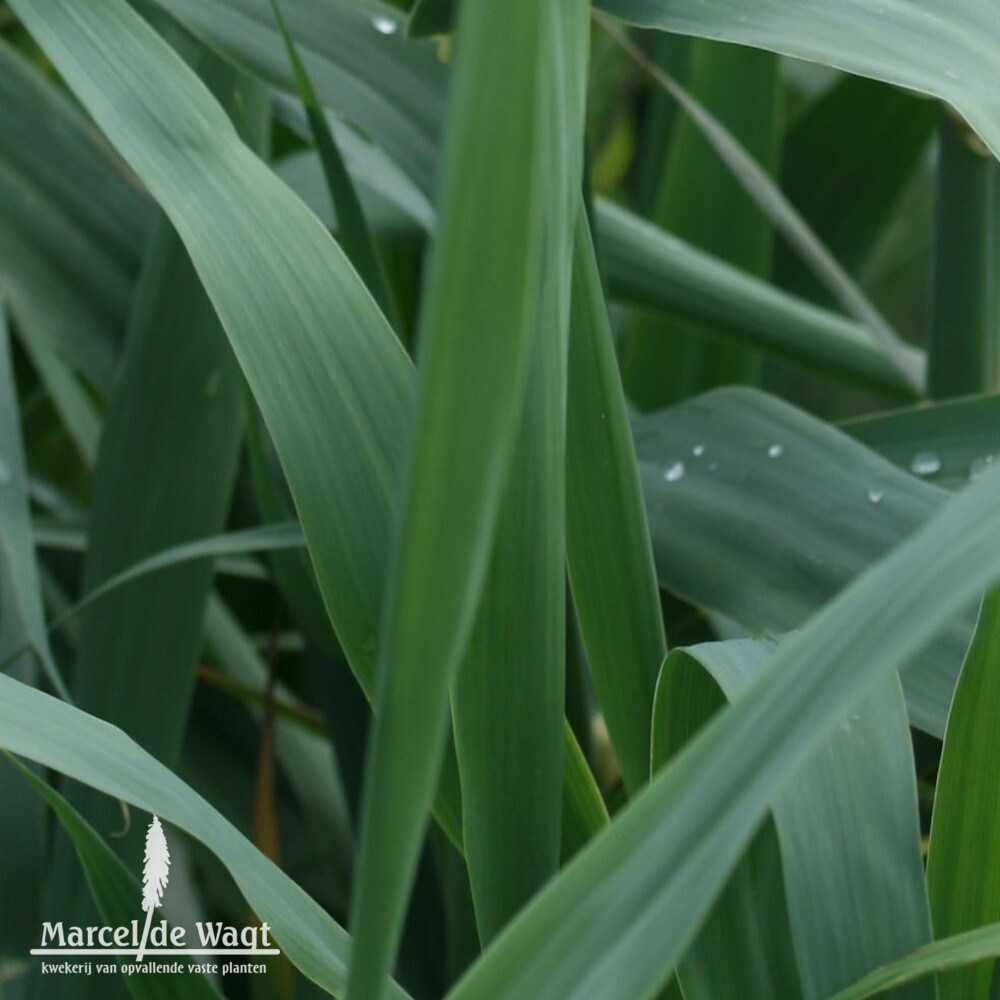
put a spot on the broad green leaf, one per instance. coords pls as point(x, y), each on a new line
point(508, 189)
point(510, 696)
point(56, 735)
point(947, 48)
point(807, 911)
point(72, 224)
point(701, 202)
point(964, 346)
point(961, 437)
point(616, 921)
point(353, 233)
point(115, 890)
point(762, 513)
point(648, 267)
point(963, 873)
point(856, 146)
point(608, 548)
point(941, 956)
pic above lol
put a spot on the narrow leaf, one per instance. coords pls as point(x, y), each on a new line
point(608, 547)
point(963, 874)
point(482, 308)
point(353, 233)
point(648, 267)
point(964, 351)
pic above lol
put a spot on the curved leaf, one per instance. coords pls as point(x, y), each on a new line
point(762, 513)
point(947, 48)
point(831, 911)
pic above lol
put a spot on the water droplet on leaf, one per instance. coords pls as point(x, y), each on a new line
point(925, 463)
point(674, 472)
point(384, 25)
point(776, 450)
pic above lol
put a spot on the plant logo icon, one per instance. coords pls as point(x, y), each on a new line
point(155, 874)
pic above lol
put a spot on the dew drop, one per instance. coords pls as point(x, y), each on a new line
point(712, 466)
point(384, 25)
point(776, 450)
point(875, 496)
point(675, 472)
point(925, 463)
point(698, 450)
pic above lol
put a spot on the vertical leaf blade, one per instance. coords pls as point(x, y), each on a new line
point(608, 547)
point(963, 874)
point(479, 320)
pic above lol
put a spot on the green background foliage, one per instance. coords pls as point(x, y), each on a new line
point(511, 486)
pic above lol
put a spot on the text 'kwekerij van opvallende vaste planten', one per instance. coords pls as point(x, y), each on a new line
point(499, 501)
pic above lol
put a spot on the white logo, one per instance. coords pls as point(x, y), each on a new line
point(155, 872)
point(215, 937)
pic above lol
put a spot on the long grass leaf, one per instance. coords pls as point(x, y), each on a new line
point(482, 309)
point(956, 952)
point(509, 700)
point(608, 548)
point(650, 268)
point(963, 876)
